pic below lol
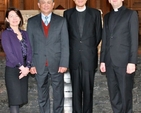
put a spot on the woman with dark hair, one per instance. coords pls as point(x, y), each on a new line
point(16, 45)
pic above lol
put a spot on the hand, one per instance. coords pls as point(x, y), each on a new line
point(24, 71)
point(62, 69)
point(33, 70)
point(102, 67)
point(21, 76)
point(130, 68)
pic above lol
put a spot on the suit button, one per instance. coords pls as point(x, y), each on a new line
point(80, 41)
point(111, 36)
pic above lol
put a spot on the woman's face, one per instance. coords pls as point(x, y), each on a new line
point(13, 19)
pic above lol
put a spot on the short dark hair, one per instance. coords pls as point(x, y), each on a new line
point(17, 12)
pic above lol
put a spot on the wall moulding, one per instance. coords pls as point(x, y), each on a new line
point(136, 3)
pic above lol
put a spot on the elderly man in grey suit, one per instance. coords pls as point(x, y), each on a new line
point(49, 40)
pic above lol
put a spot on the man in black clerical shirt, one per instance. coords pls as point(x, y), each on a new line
point(118, 56)
point(84, 26)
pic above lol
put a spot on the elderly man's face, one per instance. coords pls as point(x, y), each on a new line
point(46, 6)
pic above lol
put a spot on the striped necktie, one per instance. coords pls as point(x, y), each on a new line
point(46, 21)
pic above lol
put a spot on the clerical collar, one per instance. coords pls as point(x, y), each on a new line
point(81, 10)
point(118, 9)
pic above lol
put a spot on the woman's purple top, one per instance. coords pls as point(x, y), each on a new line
point(15, 49)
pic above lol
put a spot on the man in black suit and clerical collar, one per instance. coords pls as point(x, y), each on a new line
point(119, 54)
point(84, 26)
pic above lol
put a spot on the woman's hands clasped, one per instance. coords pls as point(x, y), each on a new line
point(23, 71)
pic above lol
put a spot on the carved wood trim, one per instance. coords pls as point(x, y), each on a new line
point(136, 3)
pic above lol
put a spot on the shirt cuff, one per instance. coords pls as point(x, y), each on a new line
point(19, 65)
point(28, 64)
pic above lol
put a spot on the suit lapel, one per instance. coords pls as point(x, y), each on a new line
point(51, 28)
point(73, 23)
point(40, 28)
point(108, 21)
point(87, 21)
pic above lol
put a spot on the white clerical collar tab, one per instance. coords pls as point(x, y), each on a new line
point(81, 10)
point(115, 10)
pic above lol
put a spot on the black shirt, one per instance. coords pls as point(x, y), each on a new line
point(80, 21)
point(113, 17)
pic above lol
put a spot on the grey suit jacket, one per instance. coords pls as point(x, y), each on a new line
point(54, 48)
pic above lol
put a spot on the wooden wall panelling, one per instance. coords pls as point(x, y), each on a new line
point(71, 4)
point(61, 4)
point(2, 16)
point(127, 3)
point(32, 5)
point(21, 4)
point(15, 3)
point(136, 3)
point(98, 2)
point(105, 6)
point(3, 7)
point(28, 5)
point(91, 3)
point(36, 4)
